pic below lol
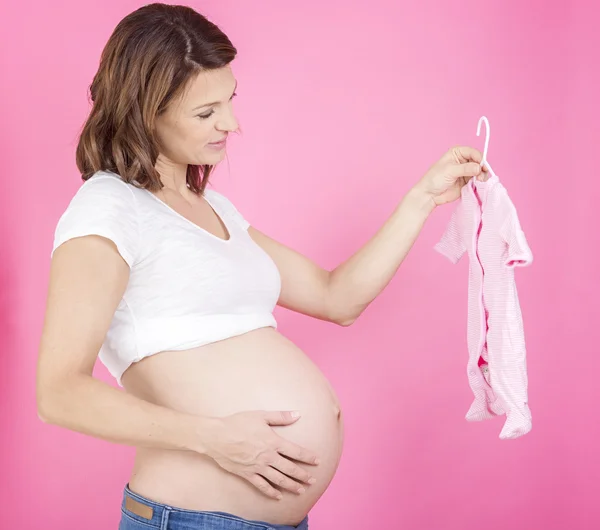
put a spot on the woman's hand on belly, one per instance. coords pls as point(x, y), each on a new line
point(244, 444)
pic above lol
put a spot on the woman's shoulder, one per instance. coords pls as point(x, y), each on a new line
point(103, 205)
point(109, 182)
point(104, 189)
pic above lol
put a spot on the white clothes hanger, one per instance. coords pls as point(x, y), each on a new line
point(487, 142)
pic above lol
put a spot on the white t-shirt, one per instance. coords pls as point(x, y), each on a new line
point(187, 287)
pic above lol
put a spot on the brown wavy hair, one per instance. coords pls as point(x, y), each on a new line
point(147, 63)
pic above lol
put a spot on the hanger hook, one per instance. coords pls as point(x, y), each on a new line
point(487, 136)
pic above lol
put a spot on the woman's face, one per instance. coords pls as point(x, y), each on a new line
point(193, 129)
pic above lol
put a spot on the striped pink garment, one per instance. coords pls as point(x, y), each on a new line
point(486, 225)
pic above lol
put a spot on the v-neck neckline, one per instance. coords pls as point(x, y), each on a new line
point(199, 228)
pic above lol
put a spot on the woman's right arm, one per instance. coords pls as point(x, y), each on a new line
point(87, 280)
point(88, 277)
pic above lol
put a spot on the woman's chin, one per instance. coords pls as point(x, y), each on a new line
point(211, 157)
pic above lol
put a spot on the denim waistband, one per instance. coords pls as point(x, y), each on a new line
point(156, 514)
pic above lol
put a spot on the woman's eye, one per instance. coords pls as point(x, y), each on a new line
point(209, 114)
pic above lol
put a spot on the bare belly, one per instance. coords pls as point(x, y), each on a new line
point(260, 370)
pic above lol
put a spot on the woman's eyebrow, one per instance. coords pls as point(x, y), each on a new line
point(214, 102)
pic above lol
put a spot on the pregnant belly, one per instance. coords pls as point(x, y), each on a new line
point(259, 370)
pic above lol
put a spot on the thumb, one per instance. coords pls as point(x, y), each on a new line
point(469, 169)
point(281, 417)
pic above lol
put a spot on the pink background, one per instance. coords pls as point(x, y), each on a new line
point(343, 109)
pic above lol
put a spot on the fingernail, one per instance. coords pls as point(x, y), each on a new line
point(295, 414)
point(317, 461)
point(279, 497)
point(312, 480)
point(301, 490)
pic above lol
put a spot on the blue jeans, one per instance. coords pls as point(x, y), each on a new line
point(139, 513)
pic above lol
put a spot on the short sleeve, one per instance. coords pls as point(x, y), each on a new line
point(518, 253)
point(451, 243)
point(102, 206)
point(227, 207)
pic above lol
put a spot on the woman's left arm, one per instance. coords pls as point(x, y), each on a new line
point(341, 295)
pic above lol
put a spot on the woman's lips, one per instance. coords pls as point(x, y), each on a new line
point(218, 145)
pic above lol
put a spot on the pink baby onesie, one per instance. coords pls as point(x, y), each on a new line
point(486, 225)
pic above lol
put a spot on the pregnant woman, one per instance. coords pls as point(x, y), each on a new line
point(164, 279)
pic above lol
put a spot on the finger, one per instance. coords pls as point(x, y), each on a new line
point(298, 453)
point(463, 153)
point(292, 470)
point(263, 486)
point(470, 169)
point(281, 417)
point(279, 479)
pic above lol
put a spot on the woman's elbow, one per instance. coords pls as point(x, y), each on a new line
point(44, 408)
point(52, 399)
point(46, 402)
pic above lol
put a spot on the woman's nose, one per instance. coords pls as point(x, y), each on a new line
point(227, 122)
